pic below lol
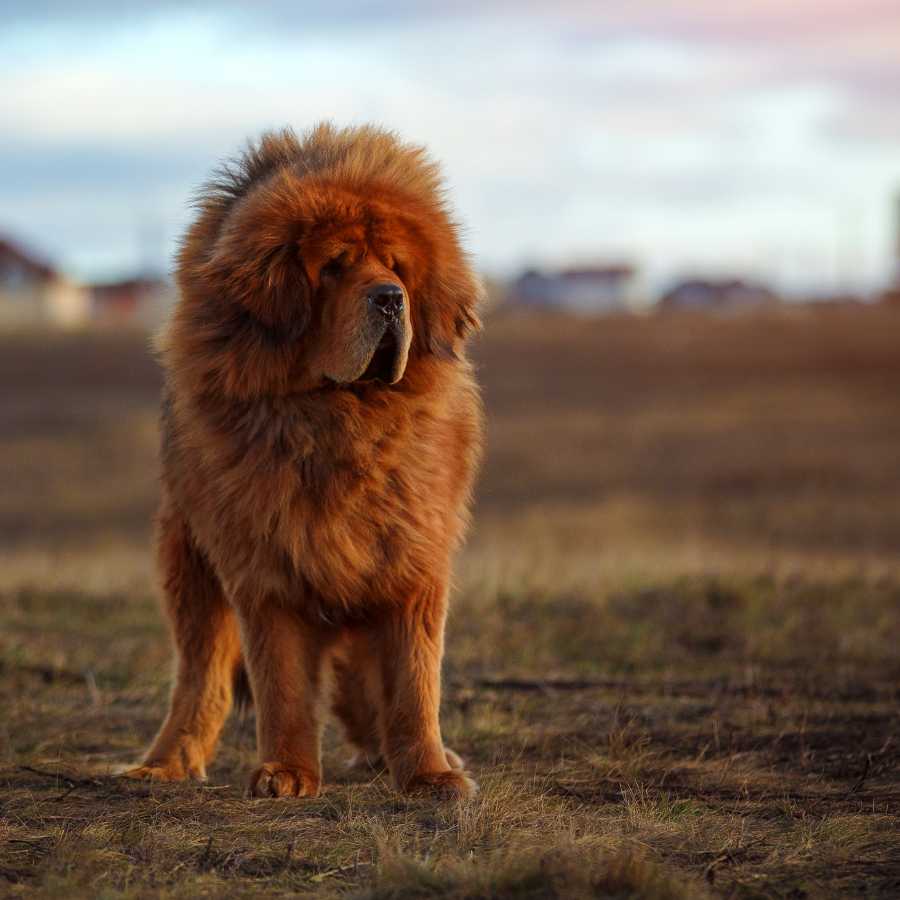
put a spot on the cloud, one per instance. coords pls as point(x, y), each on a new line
point(672, 131)
point(850, 46)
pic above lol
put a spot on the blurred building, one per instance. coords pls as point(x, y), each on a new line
point(34, 294)
point(599, 289)
point(140, 302)
point(892, 294)
point(896, 284)
point(721, 295)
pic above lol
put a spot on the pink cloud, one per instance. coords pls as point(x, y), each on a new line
point(773, 21)
point(851, 47)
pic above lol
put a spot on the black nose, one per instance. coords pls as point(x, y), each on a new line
point(387, 299)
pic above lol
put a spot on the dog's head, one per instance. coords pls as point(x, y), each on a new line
point(343, 275)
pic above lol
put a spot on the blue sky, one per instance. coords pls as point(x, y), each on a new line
point(760, 137)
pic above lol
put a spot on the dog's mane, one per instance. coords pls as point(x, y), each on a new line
point(353, 156)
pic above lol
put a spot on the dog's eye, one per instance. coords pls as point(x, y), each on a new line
point(335, 266)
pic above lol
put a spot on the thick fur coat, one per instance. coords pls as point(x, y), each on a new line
point(321, 431)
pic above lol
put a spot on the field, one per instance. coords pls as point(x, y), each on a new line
point(674, 654)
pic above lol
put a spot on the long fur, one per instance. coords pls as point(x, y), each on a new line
point(307, 528)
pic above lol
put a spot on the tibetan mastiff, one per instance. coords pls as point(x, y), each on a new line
point(321, 429)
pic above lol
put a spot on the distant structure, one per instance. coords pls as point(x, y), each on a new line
point(600, 289)
point(892, 294)
point(897, 242)
point(725, 295)
point(34, 294)
point(140, 302)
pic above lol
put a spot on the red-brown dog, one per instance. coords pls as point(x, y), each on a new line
point(321, 431)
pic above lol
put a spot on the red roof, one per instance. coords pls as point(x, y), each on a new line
point(127, 288)
point(14, 257)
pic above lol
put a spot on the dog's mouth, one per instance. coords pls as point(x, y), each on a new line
point(386, 364)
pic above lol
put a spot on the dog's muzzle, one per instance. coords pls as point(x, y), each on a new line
point(389, 317)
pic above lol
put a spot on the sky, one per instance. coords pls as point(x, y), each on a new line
point(756, 138)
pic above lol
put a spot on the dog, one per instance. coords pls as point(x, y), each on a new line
point(321, 431)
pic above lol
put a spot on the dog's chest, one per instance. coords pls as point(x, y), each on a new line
point(345, 516)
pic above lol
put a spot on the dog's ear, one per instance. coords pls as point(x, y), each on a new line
point(266, 282)
point(283, 302)
point(450, 312)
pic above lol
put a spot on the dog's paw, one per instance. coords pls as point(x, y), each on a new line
point(275, 779)
point(454, 760)
point(452, 785)
point(163, 771)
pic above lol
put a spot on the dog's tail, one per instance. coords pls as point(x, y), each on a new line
point(243, 695)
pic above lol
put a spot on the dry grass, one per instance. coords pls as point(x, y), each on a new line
point(673, 662)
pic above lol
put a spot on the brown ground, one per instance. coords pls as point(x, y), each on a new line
point(693, 526)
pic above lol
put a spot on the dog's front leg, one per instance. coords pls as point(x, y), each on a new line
point(205, 634)
point(285, 660)
point(410, 645)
